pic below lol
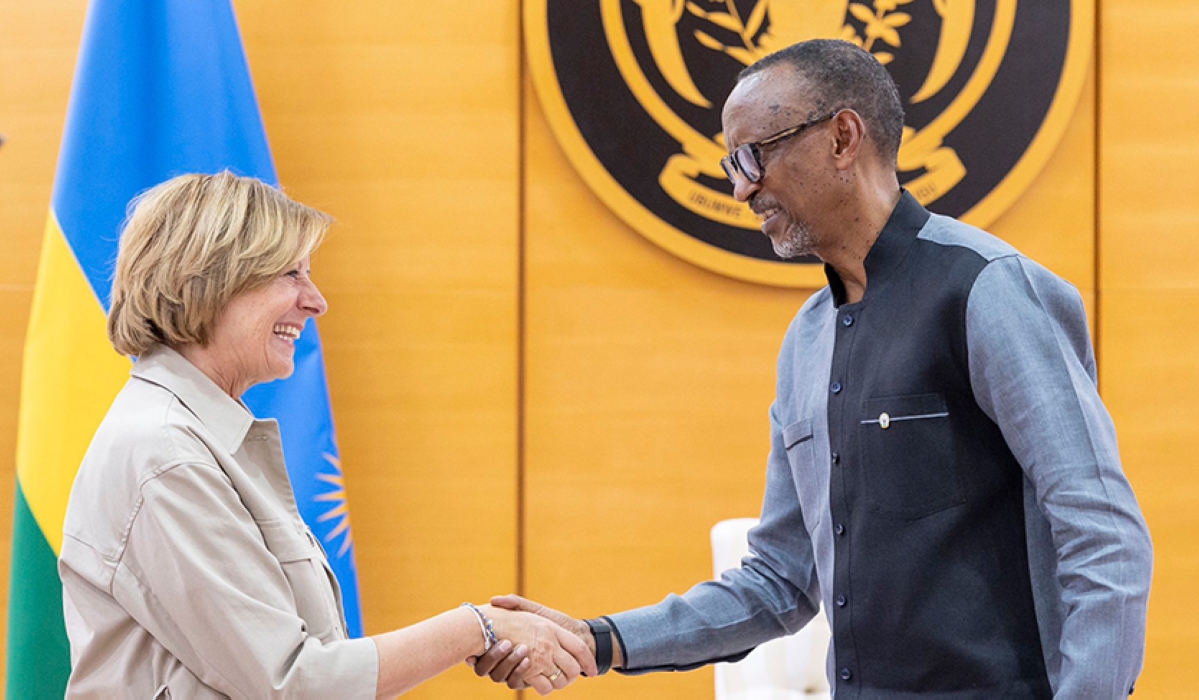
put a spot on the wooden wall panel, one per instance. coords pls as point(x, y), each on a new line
point(1149, 381)
point(401, 120)
point(1149, 299)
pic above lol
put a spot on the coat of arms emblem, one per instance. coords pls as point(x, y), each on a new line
point(633, 91)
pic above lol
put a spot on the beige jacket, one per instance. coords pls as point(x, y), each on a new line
point(187, 571)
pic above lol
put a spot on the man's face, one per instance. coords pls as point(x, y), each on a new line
point(796, 176)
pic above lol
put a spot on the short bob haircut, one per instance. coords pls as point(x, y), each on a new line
point(193, 243)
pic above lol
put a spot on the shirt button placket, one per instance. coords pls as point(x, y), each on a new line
point(837, 390)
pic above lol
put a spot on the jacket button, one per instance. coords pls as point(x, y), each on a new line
point(846, 674)
point(840, 529)
point(847, 321)
point(841, 601)
point(835, 457)
point(835, 388)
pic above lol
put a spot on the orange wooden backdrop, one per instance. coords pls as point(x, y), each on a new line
point(528, 394)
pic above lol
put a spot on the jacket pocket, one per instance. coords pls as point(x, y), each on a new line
point(909, 460)
point(811, 483)
point(796, 433)
point(303, 566)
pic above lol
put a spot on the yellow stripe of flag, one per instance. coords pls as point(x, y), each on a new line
point(70, 378)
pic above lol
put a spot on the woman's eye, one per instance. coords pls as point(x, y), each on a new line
point(294, 274)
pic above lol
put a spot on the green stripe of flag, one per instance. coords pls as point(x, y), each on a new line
point(36, 670)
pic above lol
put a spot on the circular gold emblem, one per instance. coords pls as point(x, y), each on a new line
point(633, 91)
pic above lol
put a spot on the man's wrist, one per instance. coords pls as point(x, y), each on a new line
point(618, 660)
point(601, 636)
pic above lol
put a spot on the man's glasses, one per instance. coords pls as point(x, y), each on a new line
point(746, 159)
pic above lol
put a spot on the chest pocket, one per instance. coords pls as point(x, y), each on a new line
point(910, 464)
point(811, 483)
point(303, 565)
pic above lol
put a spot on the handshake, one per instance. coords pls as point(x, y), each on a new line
point(540, 648)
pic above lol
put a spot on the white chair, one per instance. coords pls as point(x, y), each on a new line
point(790, 668)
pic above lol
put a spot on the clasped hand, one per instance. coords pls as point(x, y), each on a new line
point(533, 651)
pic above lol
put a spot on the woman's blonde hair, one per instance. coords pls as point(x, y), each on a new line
point(193, 243)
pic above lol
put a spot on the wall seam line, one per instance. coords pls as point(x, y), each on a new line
point(521, 300)
point(1097, 258)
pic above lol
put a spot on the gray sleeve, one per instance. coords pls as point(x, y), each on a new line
point(196, 573)
point(1033, 372)
point(774, 592)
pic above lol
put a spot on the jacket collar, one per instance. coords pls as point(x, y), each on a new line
point(889, 250)
point(227, 418)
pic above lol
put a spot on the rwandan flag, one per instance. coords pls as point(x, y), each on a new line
point(162, 88)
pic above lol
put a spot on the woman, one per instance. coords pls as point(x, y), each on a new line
point(187, 571)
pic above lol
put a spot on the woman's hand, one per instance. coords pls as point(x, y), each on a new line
point(556, 656)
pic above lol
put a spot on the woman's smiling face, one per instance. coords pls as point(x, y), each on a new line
point(253, 340)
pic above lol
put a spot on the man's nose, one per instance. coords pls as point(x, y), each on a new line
point(743, 189)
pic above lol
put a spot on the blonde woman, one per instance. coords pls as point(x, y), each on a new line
point(187, 571)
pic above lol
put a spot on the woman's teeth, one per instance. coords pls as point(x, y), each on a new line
point(288, 332)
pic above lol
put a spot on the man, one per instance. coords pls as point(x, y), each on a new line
point(943, 473)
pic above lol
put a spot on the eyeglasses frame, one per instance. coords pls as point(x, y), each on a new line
point(732, 167)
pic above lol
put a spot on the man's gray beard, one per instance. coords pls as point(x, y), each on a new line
point(796, 242)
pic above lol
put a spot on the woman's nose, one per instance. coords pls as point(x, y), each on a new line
point(312, 300)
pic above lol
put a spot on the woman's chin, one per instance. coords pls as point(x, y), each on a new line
point(285, 372)
point(281, 368)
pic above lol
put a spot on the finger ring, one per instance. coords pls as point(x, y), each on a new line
point(553, 677)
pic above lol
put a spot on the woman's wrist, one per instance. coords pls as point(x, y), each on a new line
point(486, 628)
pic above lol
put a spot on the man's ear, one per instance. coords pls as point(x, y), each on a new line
point(849, 135)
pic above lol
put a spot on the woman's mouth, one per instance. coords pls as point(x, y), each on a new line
point(287, 332)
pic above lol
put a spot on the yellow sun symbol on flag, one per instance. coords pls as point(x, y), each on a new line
point(338, 509)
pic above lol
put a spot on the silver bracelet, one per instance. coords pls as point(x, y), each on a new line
point(485, 627)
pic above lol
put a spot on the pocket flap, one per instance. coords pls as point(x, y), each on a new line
point(797, 432)
point(285, 541)
point(904, 408)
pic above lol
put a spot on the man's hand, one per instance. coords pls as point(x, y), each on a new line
point(503, 664)
point(546, 658)
point(578, 627)
point(512, 666)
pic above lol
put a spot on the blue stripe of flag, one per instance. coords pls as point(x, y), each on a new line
point(162, 88)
